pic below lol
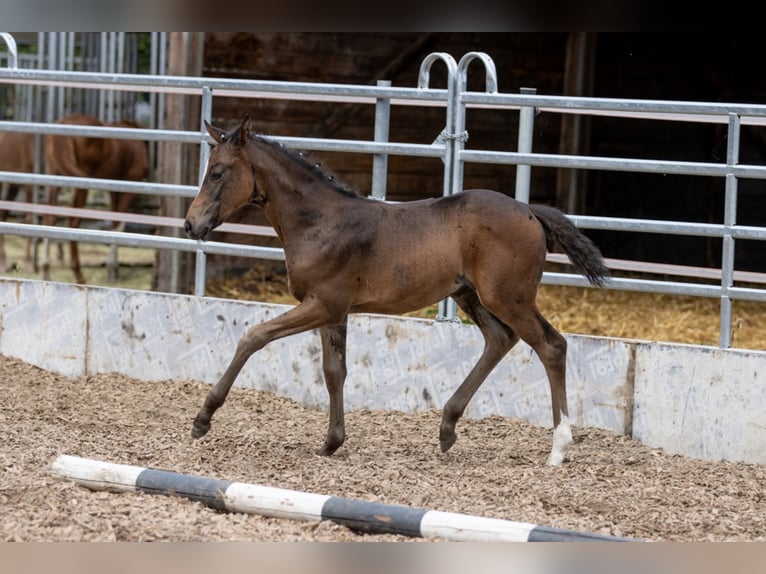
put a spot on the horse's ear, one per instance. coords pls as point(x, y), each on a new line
point(217, 134)
point(244, 130)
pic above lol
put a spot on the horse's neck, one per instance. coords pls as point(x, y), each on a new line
point(296, 198)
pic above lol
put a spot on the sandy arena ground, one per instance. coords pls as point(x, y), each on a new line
point(609, 484)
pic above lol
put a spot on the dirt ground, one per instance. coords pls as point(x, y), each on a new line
point(609, 484)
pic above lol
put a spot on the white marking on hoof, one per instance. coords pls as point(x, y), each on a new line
point(562, 438)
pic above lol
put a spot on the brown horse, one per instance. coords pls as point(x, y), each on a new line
point(349, 254)
point(103, 158)
point(16, 154)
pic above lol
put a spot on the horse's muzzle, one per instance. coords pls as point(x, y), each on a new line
point(197, 233)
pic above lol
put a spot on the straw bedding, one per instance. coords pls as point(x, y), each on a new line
point(603, 312)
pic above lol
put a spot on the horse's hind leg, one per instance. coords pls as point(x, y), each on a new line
point(551, 347)
point(498, 340)
point(334, 368)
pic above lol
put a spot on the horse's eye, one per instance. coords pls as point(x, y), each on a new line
point(215, 175)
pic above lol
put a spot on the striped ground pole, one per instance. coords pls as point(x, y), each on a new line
point(360, 516)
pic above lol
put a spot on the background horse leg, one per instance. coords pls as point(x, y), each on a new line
point(304, 317)
point(48, 219)
point(498, 340)
point(11, 194)
point(112, 259)
point(334, 368)
point(80, 198)
point(119, 202)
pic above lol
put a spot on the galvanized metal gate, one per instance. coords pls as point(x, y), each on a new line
point(449, 145)
point(109, 52)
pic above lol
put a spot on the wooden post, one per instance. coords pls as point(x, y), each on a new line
point(177, 162)
point(575, 129)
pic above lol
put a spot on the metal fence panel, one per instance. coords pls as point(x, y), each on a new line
point(450, 146)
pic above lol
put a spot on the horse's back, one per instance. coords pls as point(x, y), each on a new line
point(80, 120)
point(473, 213)
point(486, 222)
point(16, 151)
point(106, 158)
point(423, 249)
point(74, 155)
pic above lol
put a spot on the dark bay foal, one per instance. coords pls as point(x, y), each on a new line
point(345, 253)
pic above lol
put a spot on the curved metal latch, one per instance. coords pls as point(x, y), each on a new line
point(490, 77)
point(424, 75)
point(12, 50)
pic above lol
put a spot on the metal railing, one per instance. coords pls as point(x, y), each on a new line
point(383, 96)
point(731, 170)
point(450, 146)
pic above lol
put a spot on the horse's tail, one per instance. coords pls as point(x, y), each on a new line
point(582, 252)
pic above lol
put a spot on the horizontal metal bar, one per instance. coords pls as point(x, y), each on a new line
point(666, 269)
point(143, 187)
point(747, 294)
point(686, 117)
point(614, 104)
point(614, 164)
point(128, 217)
point(317, 144)
point(654, 286)
point(140, 240)
point(104, 132)
point(232, 87)
point(668, 227)
point(748, 232)
point(642, 285)
point(650, 226)
point(356, 146)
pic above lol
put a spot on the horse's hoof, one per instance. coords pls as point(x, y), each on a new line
point(327, 450)
point(447, 442)
point(555, 460)
point(198, 431)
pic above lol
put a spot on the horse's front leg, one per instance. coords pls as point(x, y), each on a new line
point(80, 199)
point(112, 259)
point(48, 219)
point(119, 202)
point(301, 318)
point(334, 368)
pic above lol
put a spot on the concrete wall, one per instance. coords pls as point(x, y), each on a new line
point(696, 401)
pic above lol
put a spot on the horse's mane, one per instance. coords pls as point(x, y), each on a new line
point(314, 168)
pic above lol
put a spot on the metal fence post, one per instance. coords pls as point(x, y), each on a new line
point(200, 263)
point(729, 220)
point(447, 307)
point(460, 133)
point(526, 133)
point(382, 127)
point(200, 259)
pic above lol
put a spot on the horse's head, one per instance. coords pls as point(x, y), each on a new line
point(228, 185)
